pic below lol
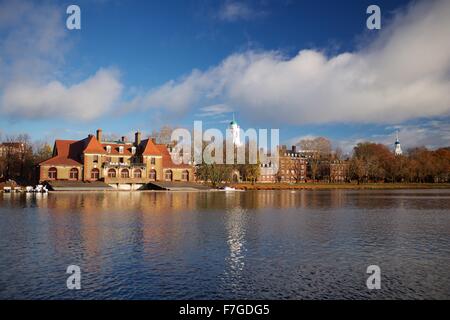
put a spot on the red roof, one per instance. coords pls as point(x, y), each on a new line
point(167, 159)
point(115, 148)
point(93, 146)
point(66, 152)
point(149, 148)
point(69, 152)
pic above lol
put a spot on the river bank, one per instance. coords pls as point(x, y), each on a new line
point(286, 186)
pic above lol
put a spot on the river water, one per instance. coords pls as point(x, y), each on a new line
point(306, 244)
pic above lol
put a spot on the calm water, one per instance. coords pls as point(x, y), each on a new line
point(243, 245)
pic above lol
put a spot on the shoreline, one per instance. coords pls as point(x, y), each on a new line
point(280, 186)
point(349, 186)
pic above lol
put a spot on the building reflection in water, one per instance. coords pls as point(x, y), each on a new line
point(149, 224)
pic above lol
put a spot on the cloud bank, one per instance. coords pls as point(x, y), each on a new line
point(404, 74)
point(86, 100)
point(33, 48)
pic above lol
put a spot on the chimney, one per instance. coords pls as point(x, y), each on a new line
point(137, 138)
point(153, 140)
point(99, 135)
point(124, 139)
point(294, 149)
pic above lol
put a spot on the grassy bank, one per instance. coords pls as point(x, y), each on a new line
point(286, 186)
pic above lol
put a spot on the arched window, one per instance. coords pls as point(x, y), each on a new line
point(112, 173)
point(52, 173)
point(168, 175)
point(152, 175)
point(73, 174)
point(125, 173)
point(95, 174)
point(185, 175)
point(137, 173)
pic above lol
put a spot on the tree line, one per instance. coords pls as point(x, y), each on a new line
point(19, 157)
point(373, 162)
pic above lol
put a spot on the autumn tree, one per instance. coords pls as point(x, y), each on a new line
point(319, 150)
point(369, 162)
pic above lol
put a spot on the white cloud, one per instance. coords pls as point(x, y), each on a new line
point(404, 74)
point(33, 47)
point(233, 10)
point(214, 110)
point(86, 100)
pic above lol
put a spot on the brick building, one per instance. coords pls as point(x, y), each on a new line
point(339, 171)
point(290, 167)
point(9, 148)
point(114, 162)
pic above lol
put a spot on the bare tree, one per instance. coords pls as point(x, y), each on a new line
point(319, 145)
point(163, 135)
point(297, 168)
point(317, 150)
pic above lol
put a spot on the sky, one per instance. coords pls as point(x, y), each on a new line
point(309, 68)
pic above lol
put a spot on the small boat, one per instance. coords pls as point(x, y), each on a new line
point(28, 189)
point(7, 189)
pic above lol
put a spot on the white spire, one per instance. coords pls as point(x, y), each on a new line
point(235, 132)
point(398, 149)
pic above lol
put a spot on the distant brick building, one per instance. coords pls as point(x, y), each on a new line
point(339, 171)
point(8, 148)
point(114, 162)
point(268, 170)
point(291, 166)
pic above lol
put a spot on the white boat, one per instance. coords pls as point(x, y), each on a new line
point(7, 189)
point(229, 189)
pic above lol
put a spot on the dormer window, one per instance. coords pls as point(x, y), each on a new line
point(133, 150)
point(120, 149)
point(108, 149)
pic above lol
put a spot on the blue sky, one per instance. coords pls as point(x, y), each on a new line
point(310, 68)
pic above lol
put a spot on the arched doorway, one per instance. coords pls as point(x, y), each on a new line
point(168, 176)
point(185, 175)
point(112, 173)
point(73, 174)
point(137, 173)
point(124, 173)
point(152, 175)
point(52, 173)
point(95, 174)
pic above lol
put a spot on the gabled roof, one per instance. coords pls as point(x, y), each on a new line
point(167, 159)
point(115, 148)
point(149, 148)
point(66, 152)
point(93, 146)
